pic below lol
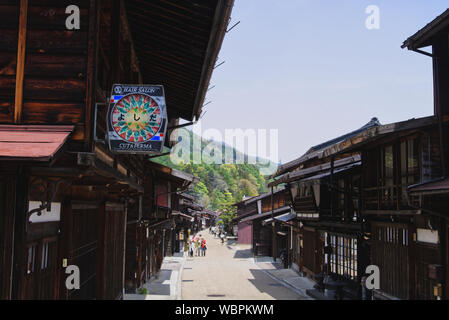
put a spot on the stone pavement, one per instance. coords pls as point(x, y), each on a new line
point(288, 277)
point(228, 272)
point(166, 286)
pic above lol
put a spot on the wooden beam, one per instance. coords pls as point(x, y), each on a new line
point(100, 268)
point(392, 212)
point(21, 48)
point(115, 40)
point(92, 60)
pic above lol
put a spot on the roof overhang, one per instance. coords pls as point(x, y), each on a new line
point(312, 172)
point(358, 141)
point(35, 143)
point(177, 45)
point(182, 215)
point(172, 174)
point(278, 211)
point(283, 218)
point(423, 37)
point(435, 187)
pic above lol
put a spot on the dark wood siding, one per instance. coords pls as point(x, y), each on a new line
point(56, 65)
point(83, 253)
point(113, 248)
point(391, 247)
point(9, 22)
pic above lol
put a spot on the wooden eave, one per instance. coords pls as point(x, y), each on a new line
point(424, 37)
point(177, 44)
point(359, 141)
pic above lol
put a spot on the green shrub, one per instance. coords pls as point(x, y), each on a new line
point(143, 291)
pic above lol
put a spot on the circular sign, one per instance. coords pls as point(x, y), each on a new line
point(136, 118)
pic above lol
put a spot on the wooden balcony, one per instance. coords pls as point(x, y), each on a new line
point(391, 197)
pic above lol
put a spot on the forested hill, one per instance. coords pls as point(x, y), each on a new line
point(221, 185)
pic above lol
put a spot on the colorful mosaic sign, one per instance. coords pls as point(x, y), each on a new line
point(137, 119)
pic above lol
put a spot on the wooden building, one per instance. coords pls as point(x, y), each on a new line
point(369, 218)
point(64, 196)
point(379, 196)
point(327, 231)
point(268, 236)
point(151, 226)
point(245, 229)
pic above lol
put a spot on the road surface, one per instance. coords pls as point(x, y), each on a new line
point(228, 272)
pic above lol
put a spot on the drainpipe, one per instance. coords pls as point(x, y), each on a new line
point(332, 185)
point(437, 101)
point(273, 237)
point(439, 114)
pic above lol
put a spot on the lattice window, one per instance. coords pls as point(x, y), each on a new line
point(343, 259)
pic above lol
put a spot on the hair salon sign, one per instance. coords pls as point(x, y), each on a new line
point(137, 119)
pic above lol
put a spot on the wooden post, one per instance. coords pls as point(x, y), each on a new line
point(8, 188)
point(20, 221)
point(101, 250)
point(124, 219)
point(66, 245)
point(21, 48)
point(273, 237)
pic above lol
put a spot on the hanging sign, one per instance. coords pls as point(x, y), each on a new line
point(137, 119)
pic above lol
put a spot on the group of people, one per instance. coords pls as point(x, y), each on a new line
point(197, 246)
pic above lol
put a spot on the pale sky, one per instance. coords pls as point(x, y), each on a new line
point(312, 69)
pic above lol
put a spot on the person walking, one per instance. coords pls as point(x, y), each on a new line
point(191, 246)
point(222, 237)
point(197, 246)
point(203, 247)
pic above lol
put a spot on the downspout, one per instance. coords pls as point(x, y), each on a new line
point(272, 225)
point(332, 185)
point(439, 114)
point(437, 101)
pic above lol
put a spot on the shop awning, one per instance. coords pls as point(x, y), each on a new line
point(32, 143)
point(286, 217)
point(165, 224)
point(432, 187)
point(182, 215)
point(267, 214)
point(282, 218)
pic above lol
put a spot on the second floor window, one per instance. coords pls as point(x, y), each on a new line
point(409, 163)
point(388, 172)
point(399, 169)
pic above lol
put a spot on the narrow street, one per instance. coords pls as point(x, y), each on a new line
point(228, 272)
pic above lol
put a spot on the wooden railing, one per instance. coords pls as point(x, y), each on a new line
point(392, 197)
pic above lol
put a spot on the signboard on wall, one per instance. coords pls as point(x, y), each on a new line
point(45, 215)
point(137, 119)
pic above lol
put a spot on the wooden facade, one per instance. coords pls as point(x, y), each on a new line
point(379, 196)
point(55, 167)
point(354, 209)
point(267, 235)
